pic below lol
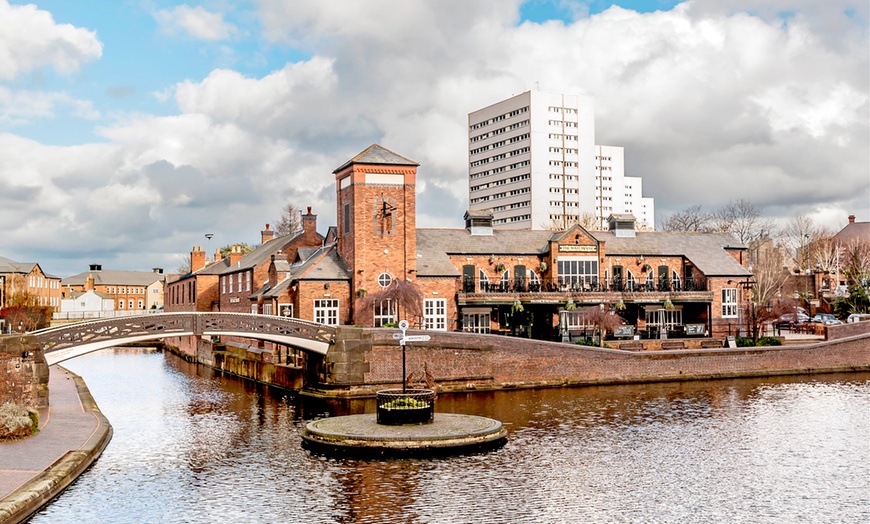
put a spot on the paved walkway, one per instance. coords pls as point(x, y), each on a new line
point(72, 435)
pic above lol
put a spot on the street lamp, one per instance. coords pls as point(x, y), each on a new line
point(209, 236)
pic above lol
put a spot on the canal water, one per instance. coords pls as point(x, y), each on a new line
point(193, 446)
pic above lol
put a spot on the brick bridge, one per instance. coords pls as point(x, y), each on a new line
point(72, 340)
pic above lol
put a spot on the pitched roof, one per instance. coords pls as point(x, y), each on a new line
point(707, 251)
point(375, 154)
point(10, 266)
point(313, 264)
point(115, 277)
point(852, 231)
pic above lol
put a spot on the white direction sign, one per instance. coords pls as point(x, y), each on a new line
point(397, 335)
point(416, 338)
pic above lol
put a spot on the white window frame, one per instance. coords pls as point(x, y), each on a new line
point(267, 308)
point(384, 312)
point(476, 320)
point(729, 302)
point(285, 310)
point(253, 306)
point(435, 314)
point(326, 311)
point(574, 272)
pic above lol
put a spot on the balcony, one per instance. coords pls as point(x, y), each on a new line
point(590, 289)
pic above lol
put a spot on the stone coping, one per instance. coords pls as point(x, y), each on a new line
point(448, 434)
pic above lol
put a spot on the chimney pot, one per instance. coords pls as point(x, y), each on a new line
point(851, 219)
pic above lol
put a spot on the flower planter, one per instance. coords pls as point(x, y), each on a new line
point(413, 406)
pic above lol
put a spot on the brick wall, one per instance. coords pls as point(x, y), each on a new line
point(23, 372)
point(464, 361)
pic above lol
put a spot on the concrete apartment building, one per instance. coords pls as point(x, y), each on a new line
point(533, 161)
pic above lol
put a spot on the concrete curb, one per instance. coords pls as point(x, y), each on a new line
point(41, 489)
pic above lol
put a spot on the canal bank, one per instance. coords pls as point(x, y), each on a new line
point(72, 435)
point(362, 361)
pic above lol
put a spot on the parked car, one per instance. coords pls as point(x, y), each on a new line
point(826, 318)
point(789, 320)
point(857, 317)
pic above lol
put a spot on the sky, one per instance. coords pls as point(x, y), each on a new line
point(130, 129)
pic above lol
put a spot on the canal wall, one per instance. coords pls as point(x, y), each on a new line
point(372, 360)
point(23, 372)
point(261, 364)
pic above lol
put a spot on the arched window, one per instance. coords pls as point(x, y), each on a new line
point(484, 280)
point(676, 281)
point(504, 283)
point(630, 282)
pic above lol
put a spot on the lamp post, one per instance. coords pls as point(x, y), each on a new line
point(209, 236)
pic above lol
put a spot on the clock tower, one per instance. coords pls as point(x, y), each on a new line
point(376, 215)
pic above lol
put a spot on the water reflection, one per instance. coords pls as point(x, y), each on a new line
point(193, 446)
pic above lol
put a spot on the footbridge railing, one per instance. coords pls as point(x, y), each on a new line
point(72, 340)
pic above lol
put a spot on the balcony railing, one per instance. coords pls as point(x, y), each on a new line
point(582, 285)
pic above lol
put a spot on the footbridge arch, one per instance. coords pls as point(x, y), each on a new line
point(73, 340)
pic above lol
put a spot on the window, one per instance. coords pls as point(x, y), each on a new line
point(435, 314)
point(253, 309)
point(247, 281)
point(140, 305)
point(131, 303)
point(384, 280)
point(476, 320)
point(285, 310)
point(729, 302)
point(347, 218)
point(267, 309)
point(385, 312)
point(326, 311)
point(223, 285)
point(577, 272)
point(121, 304)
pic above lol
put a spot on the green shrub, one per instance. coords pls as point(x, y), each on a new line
point(405, 403)
point(590, 342)
point(743, 342)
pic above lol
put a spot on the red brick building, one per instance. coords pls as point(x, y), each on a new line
point(539, 284)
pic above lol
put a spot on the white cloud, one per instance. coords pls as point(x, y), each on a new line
point(30, 39)
point(713, 102)
point(19, 107)
point(196, 22)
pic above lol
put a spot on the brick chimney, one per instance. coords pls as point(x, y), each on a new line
point(266, 235)
point(197, 259)
point(851, 219)
point(217, 255)
point(235, 254)
point(309, 226)
point(89, 283)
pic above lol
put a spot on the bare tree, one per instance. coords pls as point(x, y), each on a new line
point(290, 221)
point(797, 235)
point(404, 293)
point(693, 219)
point(587, 221)
point(183, 267)
point(770, 275)
point(856, 261)
point(744, 220)
point(823, 251)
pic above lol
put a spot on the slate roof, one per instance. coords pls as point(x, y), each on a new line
point(312, 264)
point(852, 231)
point(376, 154)
point(434, 246)
point(261, 253)
point(705, 251)
point(10, 266)
point(76, 294)
point(115, 277)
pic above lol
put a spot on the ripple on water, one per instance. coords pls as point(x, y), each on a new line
point(192, 447)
